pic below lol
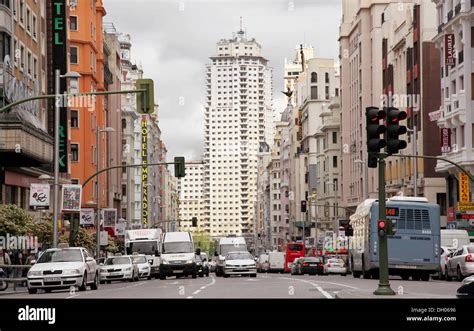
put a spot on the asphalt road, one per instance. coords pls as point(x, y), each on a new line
point(264, 286)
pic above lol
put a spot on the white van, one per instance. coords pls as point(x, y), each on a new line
point(454, 239)
point(178, 256)
point(276, 262)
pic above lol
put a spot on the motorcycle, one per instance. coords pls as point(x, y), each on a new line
point(3, 282)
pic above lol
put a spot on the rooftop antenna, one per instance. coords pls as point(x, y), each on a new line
point(241, 31)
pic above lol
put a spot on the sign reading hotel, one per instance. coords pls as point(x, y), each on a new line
point(144, 171)
point(464, 195)
point(59, 62)
point(445, 140)
point(449, 50)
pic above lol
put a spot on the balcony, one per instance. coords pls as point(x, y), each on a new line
point(450, 15)
point(36, 146)
point(457, 9)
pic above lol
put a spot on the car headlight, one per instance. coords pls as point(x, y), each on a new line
point(164, 261)
point(189, 261)
point(103, 271)
point(35, 273)
point(128, 269)
point(71, 272)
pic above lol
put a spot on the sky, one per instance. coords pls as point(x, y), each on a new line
point(174, 39)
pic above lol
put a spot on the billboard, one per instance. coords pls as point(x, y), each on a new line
point(464, 194)
point(39, 196)
point(71, 198)
point(87, 217)
point(109, 215)
point(449, 50)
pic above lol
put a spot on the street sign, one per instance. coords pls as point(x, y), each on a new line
point(86, 217)
point(72, 198)
point(39, 196)
point(104, 238)
point(109, 216)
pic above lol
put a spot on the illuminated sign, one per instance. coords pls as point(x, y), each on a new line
point(59, 62)
point(464, 195)
point(391, 211)
point(449, 50)
point(144, 171)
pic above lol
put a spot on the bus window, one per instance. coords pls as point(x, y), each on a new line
point(295, 248)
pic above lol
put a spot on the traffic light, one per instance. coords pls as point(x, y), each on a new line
point(194, 220)
point(179, 167)
point(349, 231)
point(394, 129)
point(145, 100)
point(391, 227)
point(303, 206)
point(374, 130)
point(382, 228)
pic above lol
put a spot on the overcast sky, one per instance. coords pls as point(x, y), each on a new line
point(174, 39)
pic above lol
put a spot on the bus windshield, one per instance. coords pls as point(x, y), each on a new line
point(295, 247)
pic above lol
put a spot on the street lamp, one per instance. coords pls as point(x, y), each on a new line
point(74, 76)
point(99, 131)
point(366, 177)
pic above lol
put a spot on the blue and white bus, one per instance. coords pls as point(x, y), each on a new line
point(413, 250)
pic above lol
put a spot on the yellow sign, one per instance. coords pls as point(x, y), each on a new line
point(144, 171)
point(465, 206)
point(464, 195)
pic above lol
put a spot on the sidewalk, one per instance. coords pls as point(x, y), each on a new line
point(9, 290)
point(368, 294)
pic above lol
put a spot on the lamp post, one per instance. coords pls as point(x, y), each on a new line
point(57, 106)
point(99, 131)
point(366, 177)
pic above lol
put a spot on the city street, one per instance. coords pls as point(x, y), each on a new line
point(265, 286)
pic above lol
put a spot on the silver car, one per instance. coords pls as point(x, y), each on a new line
point(119, 268)
point(461, 263)
point(239, 263)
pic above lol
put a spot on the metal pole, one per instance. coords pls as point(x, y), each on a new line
point(98, 195)
point(366, 184)
point(56, 157)
point(415, 152)
point(129, 197)
point(384, 285)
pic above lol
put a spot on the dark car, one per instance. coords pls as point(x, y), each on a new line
point(308, 265)
point(467, 288)
point(202, 266)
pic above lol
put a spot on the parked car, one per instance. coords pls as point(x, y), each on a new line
point(202, 266)
point(262, 263)
point(310, 265)
point(239, 263)
point(119, 268)
point(144, 267)
point(460, 264)
point(60, 268)
point(335, 266)
point(443, 260)
point(467, 288)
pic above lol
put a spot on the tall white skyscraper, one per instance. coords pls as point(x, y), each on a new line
point(238, 124)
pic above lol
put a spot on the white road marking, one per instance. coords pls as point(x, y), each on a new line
point(319, 288)
point(189, 297)
point(72, 296)
point(352, 287)
point(196, 292)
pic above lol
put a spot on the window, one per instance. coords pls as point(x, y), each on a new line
point(35, 67)
point(75, 152)
point(334, 161)
point(22, 12)
point(74, 59)
point(314, 77)
point(75, 181)
point(124, 190)
point(334, 137)
point(441, 201)
point(327, 78)
point(74, 119)
point(34, 24)
point(73, 23)
point(314, 92)
point(4, 45)
point(28, 19)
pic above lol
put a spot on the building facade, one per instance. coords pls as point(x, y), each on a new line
point(191, 198)
point(238, 123)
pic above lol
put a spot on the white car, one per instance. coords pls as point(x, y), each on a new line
point(144, 268)
point(239, 263)
point(60, 268)
point(118, 268)
point(443, 260)
point(335, 266)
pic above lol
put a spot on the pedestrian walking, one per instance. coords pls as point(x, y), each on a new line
point(5, 260)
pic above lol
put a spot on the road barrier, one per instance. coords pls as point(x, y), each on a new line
point(8, 268)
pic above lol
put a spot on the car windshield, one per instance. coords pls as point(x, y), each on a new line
point(295, 248)
point(117, 260)
point(178, 247)
point(470, 249)
point(144, 247)
point(239, 256)
point(139, 259)
point(232, 248)
point(335, 261)
point(65, 255)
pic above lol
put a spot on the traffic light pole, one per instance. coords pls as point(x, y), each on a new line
point(384, 284)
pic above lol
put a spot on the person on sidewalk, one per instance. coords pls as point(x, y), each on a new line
point(5, 259)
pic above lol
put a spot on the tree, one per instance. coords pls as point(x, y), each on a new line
point(204, 241)
point(83, 239)
point(14, 221)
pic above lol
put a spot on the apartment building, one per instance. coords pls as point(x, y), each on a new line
point(191, 198)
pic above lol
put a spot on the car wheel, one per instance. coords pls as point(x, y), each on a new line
point(416, 277)
point(365, 274)
point(459, 274)
point(425, 277)
point(253, 275)
point(207, 274)
point(83, 286)
point(405, 277)
point(32, 291)
point(195, 275)
point(446, 274)
point(102, 282)
point(149, 278)
point(95, 284)
point(162, 277)
point(109, 282)
point(226, 276)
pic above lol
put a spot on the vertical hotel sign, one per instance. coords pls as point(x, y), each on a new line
point(144, 171)
point(464, 195)
point(449, 50)
point(59, 42)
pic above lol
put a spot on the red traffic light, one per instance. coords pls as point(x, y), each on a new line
point(382, 224)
